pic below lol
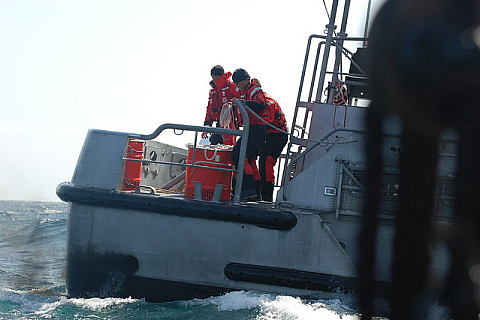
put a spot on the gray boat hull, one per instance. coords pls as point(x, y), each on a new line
point(195, 250)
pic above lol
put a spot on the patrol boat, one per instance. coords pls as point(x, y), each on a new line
point(150, 220)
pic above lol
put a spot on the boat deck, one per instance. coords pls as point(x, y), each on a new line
point(178, 195)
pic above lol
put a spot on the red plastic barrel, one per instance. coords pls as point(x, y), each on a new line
point(214, 157)
point(133, 169)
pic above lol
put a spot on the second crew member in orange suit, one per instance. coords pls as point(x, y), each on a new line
point(255, 99)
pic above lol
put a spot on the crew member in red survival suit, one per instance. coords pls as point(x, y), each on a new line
point(255, 100)
point(274, 143)
point(223, 90)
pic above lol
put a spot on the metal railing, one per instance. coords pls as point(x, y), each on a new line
point(441, 195)
point(307, 150)
point(182, 127)
point(326, 44)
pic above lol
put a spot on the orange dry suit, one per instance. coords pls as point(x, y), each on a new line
point(274, 143)
point(223, 90)
point(255, 99)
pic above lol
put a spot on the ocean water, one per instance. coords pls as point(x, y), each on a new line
point(32, 282)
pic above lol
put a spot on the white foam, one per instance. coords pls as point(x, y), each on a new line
point(29, 302)
point(48, 307)
point(242, 300)
point(93, 304)
point(277, 307)
point(96, 304)
point(237, 300)
point(26, 301)
point(289, 308)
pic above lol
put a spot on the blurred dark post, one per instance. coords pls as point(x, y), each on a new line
point(424, 67)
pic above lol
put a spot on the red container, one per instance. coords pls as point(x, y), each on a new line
point(133, 169)
point(214, 157)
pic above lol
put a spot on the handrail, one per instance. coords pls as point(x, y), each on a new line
point(326, 42)
point(333, 40)
point(184, 127)
point(288, 168)
point(243, 148)
point(315, 66)
point(182, 164)
point(307, 150)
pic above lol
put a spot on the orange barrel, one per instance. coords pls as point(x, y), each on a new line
point(218, 156)
point(133, 169)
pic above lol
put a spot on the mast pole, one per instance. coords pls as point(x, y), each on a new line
point(365, 32)
point(330, 30)
point(338, 50)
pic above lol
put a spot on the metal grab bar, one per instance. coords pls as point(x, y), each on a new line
point(183, 164)
point(185, 127)
point(326, 42)
point(288, 167)
point(242, 133)
point(310, 148)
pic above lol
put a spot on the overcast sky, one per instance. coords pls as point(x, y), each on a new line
point(131, 65)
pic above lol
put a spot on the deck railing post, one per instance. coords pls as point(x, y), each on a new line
point(243, 151)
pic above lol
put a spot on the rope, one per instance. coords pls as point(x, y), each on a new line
point(205, 154)
point(226, 120)
point(326, 9)
point(226, 115)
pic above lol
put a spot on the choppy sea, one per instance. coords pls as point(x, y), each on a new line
point(32, 282)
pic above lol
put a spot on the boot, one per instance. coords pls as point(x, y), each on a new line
point(248, 188)
point(258, 187)
point(267, 191)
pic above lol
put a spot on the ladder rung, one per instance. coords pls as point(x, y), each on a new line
point(307, 105)
point(299, 141)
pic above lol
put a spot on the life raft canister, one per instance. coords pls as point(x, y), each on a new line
point(216, 156)
point(133, 169)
